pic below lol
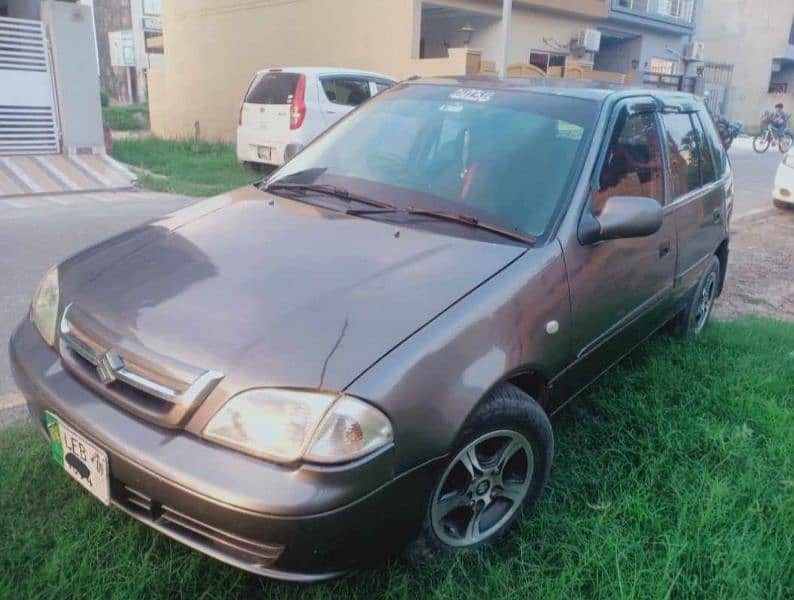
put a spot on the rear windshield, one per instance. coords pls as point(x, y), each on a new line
point(273, 88)
point(503, 155)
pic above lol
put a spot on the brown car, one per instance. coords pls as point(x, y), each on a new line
point(364, 350)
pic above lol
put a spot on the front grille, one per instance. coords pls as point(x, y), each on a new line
point(156, 394)
point(194, 533)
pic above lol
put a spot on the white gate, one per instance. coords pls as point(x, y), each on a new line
point(28, 111)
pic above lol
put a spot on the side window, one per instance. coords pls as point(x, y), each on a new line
point(715, 143)
point(683, 150)
point(349, 91)
point(633, 162)
point(381, 85)
point(707, 172)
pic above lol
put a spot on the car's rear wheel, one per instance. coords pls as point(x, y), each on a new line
point(693, 319)
point(499, 466)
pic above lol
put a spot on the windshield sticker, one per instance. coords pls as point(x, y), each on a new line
point(453, 108)
point(472, 95)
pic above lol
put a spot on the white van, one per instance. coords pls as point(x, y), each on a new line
point(285, 109)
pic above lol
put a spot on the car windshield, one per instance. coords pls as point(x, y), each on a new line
point(504, 156)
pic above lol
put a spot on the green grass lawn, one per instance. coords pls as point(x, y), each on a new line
point(673, 478)
point(122, 117)
point(185, 167)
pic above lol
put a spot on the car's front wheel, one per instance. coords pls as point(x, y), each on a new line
point(499, 466)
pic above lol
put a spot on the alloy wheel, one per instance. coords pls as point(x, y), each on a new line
point(705, 301)
point(482, 488)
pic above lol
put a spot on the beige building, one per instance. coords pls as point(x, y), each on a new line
point(758, 38)
point(213, 47)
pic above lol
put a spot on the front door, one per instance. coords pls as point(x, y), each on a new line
point(621, 290)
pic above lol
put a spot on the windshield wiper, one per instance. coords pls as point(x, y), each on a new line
point(456, 217)
point(327, 190)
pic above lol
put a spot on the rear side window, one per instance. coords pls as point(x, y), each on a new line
point(349, 91)
point(715, 144)
point(690, 158)
point(633, 162)
point(707, 172)
point(273, 88)
point(683, 150)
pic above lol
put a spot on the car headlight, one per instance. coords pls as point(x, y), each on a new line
point(287, 425)
point(788, 160)
point(44, 307)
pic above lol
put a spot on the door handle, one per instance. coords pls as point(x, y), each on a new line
point(664, 248)
point(716, 214)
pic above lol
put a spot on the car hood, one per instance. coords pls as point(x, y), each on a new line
point(272, 291)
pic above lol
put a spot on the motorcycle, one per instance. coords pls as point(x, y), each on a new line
point(728, 130)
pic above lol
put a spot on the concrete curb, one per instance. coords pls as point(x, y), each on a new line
point(11, 400)
point(11, 415)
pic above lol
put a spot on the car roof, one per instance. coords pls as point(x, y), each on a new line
point(324, 71)
point(590, 90)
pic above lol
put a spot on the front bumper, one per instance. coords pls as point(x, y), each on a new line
point(203, 495)
point(784, 185)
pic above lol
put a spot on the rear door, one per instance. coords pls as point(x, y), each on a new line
point(342, 93)
point(265, 111)
point(697, 192)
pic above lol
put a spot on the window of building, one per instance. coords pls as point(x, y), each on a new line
point(633, 162)
point(153, 41)
point(683, 10)
point(152, 7)
point(635, 4)
point(662, 66)
point(544, 60)
point(350, 91)
point(690, 160)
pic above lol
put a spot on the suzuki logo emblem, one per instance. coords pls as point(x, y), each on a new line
point(107, 367)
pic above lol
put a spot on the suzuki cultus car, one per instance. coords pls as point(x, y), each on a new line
point(363, 352)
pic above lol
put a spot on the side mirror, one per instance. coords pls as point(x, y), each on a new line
point(622, 217)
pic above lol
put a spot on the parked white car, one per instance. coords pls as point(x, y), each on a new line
point(285, 109)
point(783, 194)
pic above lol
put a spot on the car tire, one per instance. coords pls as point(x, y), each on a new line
point(783, 205)
point(511, 439)
point(693, 319)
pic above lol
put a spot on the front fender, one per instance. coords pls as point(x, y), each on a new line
point(430, 383)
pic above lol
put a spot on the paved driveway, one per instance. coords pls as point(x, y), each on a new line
point(38, 231)
point(754, 175)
